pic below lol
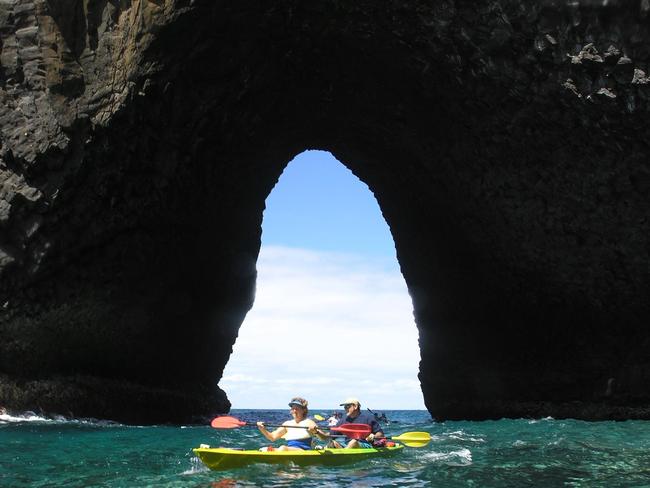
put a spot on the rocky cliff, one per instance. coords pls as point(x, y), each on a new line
point(506, 143)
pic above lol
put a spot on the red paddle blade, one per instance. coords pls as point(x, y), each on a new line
point(353, 431)
point(226, 422)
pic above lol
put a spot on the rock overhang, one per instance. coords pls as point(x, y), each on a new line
point(505, 145)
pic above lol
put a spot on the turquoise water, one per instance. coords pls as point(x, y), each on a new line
point(504, 453)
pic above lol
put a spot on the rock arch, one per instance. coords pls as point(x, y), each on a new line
point(506, 145)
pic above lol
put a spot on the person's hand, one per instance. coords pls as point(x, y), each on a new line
point(315, 431)
point(260, 425)
point(370, 438)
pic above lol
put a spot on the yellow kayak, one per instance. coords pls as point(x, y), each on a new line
point(218, 458)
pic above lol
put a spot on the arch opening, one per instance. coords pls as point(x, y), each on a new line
point(332, 316)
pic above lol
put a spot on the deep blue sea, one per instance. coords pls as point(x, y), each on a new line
point(505, 453)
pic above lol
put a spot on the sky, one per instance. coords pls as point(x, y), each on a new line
point(332, 316)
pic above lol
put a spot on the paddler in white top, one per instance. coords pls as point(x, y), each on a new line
point(298, 438)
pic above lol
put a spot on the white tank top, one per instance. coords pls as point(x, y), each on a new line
point(295, 434)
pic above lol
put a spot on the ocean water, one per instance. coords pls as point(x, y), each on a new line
point(37, 452)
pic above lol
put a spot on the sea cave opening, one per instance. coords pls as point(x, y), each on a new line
point(332, 316)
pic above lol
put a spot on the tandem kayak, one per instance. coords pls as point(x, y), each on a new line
point(217, 458)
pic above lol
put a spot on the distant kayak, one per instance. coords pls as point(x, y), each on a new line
point(218, 458)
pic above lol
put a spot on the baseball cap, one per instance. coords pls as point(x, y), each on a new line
point(350, 401)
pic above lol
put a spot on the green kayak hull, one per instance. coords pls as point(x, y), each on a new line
point(218, 458)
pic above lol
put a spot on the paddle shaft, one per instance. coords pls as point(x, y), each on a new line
point(342, 427)
point(279, 425)
point(410, 439)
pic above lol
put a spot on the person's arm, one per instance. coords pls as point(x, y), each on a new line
point(272, 436)
point(318, 433)
point(377, 433)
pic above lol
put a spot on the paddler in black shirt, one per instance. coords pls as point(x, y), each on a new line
point(354, 415)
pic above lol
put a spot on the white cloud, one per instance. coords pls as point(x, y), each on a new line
point(326, 326)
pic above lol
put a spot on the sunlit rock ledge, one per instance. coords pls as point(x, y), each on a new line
point(505, 141)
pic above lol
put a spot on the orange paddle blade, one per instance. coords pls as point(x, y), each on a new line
point(226, 422)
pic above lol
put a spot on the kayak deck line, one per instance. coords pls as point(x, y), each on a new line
point(217, 458)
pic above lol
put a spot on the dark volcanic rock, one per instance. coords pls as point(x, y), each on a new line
point(506, 143)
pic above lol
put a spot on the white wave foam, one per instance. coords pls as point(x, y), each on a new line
point(462, 457)
point(29, 416)
point(545, 419)
point(196, 467)
point(26, 417)
point(459, 435)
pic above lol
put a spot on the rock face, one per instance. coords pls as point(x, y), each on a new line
point(506, 143)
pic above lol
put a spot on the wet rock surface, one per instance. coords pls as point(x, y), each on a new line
point(506, 144)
